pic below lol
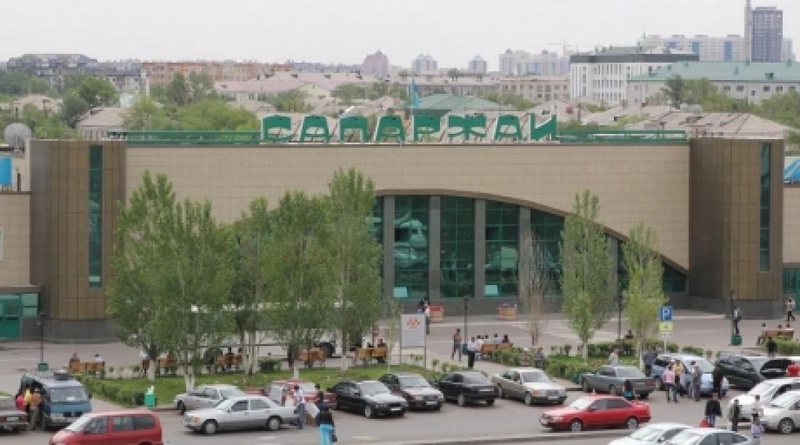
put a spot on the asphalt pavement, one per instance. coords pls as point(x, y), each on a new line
point(506, 422)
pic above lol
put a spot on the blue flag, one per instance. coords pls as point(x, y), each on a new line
point(413, 97)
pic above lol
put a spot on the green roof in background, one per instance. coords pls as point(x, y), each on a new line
point(727, 72)
point(453, 103)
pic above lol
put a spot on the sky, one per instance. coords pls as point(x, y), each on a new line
point(345, 31)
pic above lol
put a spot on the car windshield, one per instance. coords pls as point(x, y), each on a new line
point(629, 371)
point(581, 403)
point(476, 379)
point(373, 388)
point(534, 377)
point(227, 393)
point(758, 363)
point(647, 434)
point(73, 394)
point(78, 425)
point(761, 389)
point(414, 381)
point(785, 400)
point(687, 438)
point(705, 365)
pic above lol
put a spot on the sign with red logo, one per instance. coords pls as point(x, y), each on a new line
point(412, 331)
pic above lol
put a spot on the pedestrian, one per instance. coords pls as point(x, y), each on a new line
point(538, 358)
point(471, 351)
point(669, 382)
point(613, 358)
point(756, 410)
point(456, 345)
point(716, 380)
point(627, 390)
point(713, 410)
point(35, 406)
point(300, 397)
point(789, 309)
point(793, 370)
point(325, 417)
point(756, 431)
point(736, 316)
point(74, 359)
point(679, 376)
point(427, 312)
point(525, 357)
point(479, 347)
point(649, 358)
point(772, 348)
point(734, 414)
point(696, 381)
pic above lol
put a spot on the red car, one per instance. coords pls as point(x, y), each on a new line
point(597, 411)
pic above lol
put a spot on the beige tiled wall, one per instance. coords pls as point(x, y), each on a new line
point(634, 183)
point(791, 225)
point(15, 224)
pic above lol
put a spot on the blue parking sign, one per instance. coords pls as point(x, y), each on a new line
point(665, 313)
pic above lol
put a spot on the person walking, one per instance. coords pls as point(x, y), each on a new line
point(789, 309)
point(716, 380)
point(471, 351)
point(327, 432)
point(649, 358)
point(696, 381)
point(457, 340)
point(734, 414)
point(679, 376)
point(736, 316)
point(35, 406)
point(613, 358)
point(713, 410)
point(538, 358)
point(669, 382)
point(756, 410)
point(756, 431)
point(772, 348)
point(300, 397)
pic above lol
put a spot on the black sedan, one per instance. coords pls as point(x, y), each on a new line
point(468, 387)
point(746, 371)
point(369, 397)
point(417, 391)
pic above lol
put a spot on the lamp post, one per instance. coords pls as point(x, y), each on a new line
point(466, 317)
point(40, 323)
point(619, 318)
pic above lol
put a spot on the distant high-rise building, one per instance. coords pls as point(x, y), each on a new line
point(478, 65)
point(708, 48)
point(424, 63)
point(523, 63)
point(377, 64)
point(767, 43)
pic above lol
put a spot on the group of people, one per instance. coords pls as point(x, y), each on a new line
point(30, 400)
point(295, 397)
point(735, 414)
point(474, 346)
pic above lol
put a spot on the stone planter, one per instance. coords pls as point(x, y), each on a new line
point(436, 314)
point(507, 313)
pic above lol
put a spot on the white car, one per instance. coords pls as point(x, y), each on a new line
point(653, 433)
point(783, 414)
point(768, 390)
point(240, 413)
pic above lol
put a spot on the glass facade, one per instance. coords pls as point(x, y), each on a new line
point(411, 253)
point(95, 217)
point(546, 230)
point(791, 281)
point(674, 281)
point(457, 247)
point(13, 308)
point(502, 247)
point(764, 220)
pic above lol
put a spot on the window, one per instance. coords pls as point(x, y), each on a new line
point(502, 239)
point(122, 423)
point(779, 89)
point(411, 244)
point(258, 404)
point(790, 281)
point(739, 88)
point(239, 406)
point(95, 217)
point(457, 247)
point(98, 426)
point(143, 422)
point(726, 88)
point(764, 228)
point(766, 88)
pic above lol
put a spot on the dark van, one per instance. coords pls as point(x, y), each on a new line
point(64, 399)
point(125, 427)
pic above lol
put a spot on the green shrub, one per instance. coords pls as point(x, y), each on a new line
point(788, 347)
point(269, 364)
point(693, 350)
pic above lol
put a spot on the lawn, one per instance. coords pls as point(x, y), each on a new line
point(123, 391)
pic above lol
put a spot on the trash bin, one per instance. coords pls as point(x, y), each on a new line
point(43, 367)
point(736, 340)
point(150, 400)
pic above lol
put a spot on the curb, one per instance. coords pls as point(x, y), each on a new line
point(520, 438)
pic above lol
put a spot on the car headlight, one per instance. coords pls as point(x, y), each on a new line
point(195, 420)
point(416, 397)
point(537, 392)
point(380, 405)
point(556, 418)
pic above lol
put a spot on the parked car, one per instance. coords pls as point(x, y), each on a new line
point(12, 419)
point(767, 391)
point(696, 436)
point(653, 433)
point(132, 426)
point(783, 413)
point(746, 371)
point(417, 391)
point(274, 390)
point(597, 411)
point(370, 397)
point(205, 396)
point(530, 385)
point(245, 412)
point(706, 380)
point(468, 387)
point(611, 379)
point(64, 399)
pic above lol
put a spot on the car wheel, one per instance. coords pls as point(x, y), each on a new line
point(490, 402)
point(576, 426)
point(368, 412)
point(612, 390)
point(500, 391)
point(181, 408)
point(632, 423)
point(528, 399)
point(461, 400)
point(210, 427)
point(659, 383)
point(274, 423)
point(586, 387)
point(786, 426)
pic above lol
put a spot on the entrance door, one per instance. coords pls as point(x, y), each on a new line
point(10, 318)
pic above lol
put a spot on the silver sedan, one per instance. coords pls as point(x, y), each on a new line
point(654, 433)
point(205, 396)
point(240, 413)
point(783, 413)
point(530, 385)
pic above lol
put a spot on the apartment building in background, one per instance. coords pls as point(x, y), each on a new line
point(376, 64)
point(478, 65)
point(424, 63)
point(537, 89)
point(162, 72)
point(709, 48)
point(523, 63)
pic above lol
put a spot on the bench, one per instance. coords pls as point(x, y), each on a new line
point(229, 361)
point(311, 356)
point(366, 355)
point(87, 367)
point(166, 364)
point(488, 349)
point(776, 334)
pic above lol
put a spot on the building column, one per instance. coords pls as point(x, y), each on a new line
point(480, 249)
point(434, 248)
point(524, 236)
point(387, 225)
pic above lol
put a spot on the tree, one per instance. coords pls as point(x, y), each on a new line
point(673, 88)
point(201, 86)
point(348, 93)
point(587, 279)
point(73, 109)
point(145, 114)
point(533, 286)
point(518, 102)
point(250, 293)
point(97, 91)
point(173, 274)
point(16, 83)
point(178, 90)
point(293, 101)
point(644, 294)
point(783, 108)
point(355, 253)
point(215, 115)
point(300, 273)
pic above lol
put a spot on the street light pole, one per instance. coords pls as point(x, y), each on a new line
point(41, 336)
point(466, 312)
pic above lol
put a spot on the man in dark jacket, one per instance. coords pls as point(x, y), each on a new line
point(713, 410)
point(716, 379)
point(734, 413)
point(772, 348)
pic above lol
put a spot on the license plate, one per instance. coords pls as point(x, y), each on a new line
point(12, 419)
point(487, 390)
point(432, 403)
point(552, 398)
point(396, 409)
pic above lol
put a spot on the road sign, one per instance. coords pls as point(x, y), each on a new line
point(666, 335)
point(666, 326)
point(665, 313)
point(412, 331)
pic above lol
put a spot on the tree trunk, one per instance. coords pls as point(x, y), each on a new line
point(345, 351)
